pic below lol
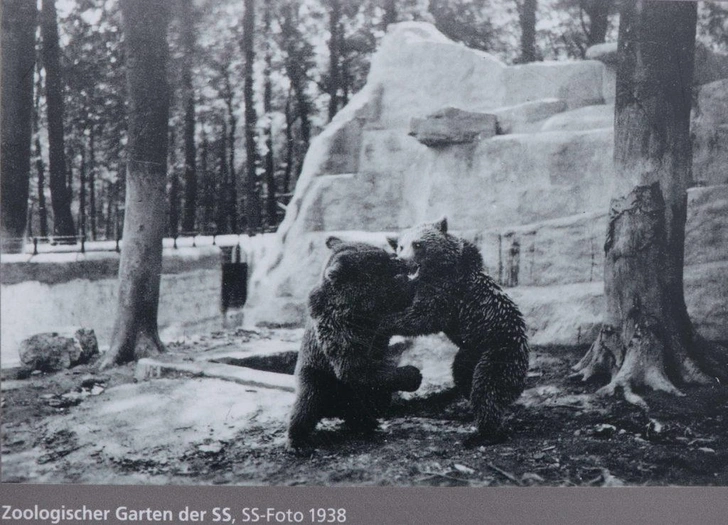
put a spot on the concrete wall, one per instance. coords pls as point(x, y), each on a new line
point(52, 290)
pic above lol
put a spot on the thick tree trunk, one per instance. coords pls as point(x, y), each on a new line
point(527, 17)
point(18, 60)
point(60, 193)
point(135, 331)
point(190, 176)
point(647, 339)
point(252, 196)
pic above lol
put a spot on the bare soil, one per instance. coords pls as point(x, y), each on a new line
point(560, 435)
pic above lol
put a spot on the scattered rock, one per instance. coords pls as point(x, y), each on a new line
point(211, 448)
point(452, 126)
point(463, 469)
point(531, 477)
point(604, 430)
point(54, 351)
point(610, 480)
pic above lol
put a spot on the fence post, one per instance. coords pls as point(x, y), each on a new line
point(83, 244)
point(35, 245)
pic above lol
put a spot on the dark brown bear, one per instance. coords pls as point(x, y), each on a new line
point(345, 367)
point(454, 295)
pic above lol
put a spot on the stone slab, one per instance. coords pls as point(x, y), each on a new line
point(157, 368)
point(452, 126)
point(522, 117)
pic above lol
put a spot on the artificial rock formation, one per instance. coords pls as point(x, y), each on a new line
point(532, 190)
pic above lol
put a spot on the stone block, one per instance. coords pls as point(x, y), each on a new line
point(589, 117)
point(54, 351)
point(710, 134)
point(452, 126)
point(578, 83)
point(706, 227)
point(519, 118)
point(605, 53)
point(568, 314)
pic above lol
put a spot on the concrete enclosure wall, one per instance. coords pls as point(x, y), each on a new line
point(53, 290)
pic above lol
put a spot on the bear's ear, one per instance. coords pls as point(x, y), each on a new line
point(442, 224)
point(334, 242)
point(331, 271)
point(393, 242)
point(334, 269)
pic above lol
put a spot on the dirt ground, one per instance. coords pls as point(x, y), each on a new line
point(561, 435)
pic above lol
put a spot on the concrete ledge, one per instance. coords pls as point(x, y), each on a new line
point(158, 368)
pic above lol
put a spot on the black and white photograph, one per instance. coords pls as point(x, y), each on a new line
point(364, 243)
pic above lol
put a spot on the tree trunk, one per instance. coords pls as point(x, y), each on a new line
point(296, 63)
point(39, 166)
point(598, 12)
point(82, 196)
point(60, 194)
point(252, 197)
point(231, 202)
point(390, 13)
point(173, 225)
point(270, 179)
point(647, 339)
point(527, 18)
point(289, 146)
point(18, 60)
point(334, 56)
point(188, 37)
point(223, 203)
point(208, 195)
point(135, 330)
point(92, 182)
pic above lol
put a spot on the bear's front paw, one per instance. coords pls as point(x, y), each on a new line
point(409, 377)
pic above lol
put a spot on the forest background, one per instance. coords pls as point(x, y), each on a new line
point(251, 83)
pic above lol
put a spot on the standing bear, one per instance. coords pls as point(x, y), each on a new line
point(345, 367)
point(454, 295)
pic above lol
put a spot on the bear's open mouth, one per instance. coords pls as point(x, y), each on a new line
point(414, 272)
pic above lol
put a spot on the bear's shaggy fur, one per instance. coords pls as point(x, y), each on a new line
point(454, 295)
point(345, 367)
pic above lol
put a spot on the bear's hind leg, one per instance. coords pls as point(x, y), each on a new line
point(308, 409)
point(496, 383)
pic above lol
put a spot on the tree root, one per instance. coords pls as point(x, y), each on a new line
point(641, 357)
point(126, 349)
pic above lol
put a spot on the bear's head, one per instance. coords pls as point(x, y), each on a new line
point(427, 247)
point(362, 279)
